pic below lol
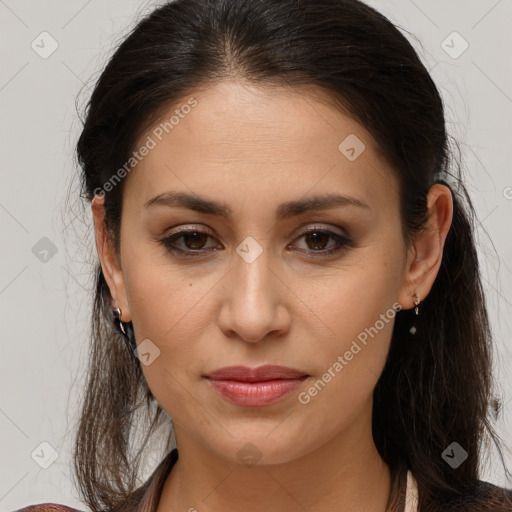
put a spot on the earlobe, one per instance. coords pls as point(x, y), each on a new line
point(426, 255)
point(108, 259)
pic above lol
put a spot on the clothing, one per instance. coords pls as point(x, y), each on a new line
point(411, 494)
point(47, 507)
point(476, 498)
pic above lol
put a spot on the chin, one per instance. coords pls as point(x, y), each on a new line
point(259, 448)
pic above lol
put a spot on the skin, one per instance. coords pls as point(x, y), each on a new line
point(254, 149)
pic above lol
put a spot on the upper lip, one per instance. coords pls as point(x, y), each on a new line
point(259, 374)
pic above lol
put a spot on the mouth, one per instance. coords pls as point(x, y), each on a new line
point(255, 387)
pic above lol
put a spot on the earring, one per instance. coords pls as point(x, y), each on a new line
point(117, 312)
point(416, 303)
point(126, 328)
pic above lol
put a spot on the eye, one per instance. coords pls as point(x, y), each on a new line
point(317, 239)
point(193, 239)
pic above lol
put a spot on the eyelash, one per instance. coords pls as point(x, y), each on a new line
point(343, 242)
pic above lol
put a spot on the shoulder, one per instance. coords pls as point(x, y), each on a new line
point(477, 496)
point(47, 507)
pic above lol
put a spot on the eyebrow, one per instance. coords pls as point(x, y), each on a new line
point(284, 211)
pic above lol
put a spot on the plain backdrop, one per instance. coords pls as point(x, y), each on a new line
point(47, 248)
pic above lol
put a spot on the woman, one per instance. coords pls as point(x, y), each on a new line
point(287, 269)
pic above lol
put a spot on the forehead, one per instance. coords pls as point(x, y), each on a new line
point(245, 140)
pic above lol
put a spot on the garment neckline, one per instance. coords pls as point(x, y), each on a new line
point(411, 494)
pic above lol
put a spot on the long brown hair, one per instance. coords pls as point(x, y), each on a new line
point(436, 385)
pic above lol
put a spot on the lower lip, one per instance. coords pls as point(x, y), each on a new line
point(255, 394)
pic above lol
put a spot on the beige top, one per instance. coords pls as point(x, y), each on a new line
point(411, 494)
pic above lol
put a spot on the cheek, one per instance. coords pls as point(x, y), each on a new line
point(173, 308)
point(353, 299)
point(360, 329)
point(167, 310)
point(358, 309)
point(160, 294)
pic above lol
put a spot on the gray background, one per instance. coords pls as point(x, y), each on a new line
point(45, 296)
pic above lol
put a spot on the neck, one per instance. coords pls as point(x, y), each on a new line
point(346, 473)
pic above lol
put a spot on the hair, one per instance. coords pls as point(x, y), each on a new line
point(436, 384)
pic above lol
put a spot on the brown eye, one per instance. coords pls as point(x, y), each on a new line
point(317, 241)
point(193, 242)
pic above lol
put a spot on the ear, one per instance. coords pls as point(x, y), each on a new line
point(425, 255)
point(109, 259)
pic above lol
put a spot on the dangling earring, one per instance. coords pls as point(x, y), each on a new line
point(126, 328)
point(416, 304)
point(117, 312)
point(416, 301)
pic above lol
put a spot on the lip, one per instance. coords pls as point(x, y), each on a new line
point(259, 374)
point(255, 387)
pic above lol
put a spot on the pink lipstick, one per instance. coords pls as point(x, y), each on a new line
point(255, 387)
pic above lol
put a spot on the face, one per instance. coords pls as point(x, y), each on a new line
point(257, 279)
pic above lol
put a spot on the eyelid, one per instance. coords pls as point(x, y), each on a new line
point(319, 227)
point(188, 228)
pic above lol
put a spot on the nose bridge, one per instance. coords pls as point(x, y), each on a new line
point(252, 268)
point(253, 306)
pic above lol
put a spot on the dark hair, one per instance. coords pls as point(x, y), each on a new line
point(436, 385)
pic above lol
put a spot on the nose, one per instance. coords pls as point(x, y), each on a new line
point(253, 301)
